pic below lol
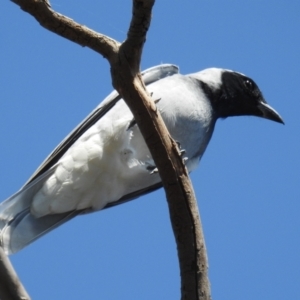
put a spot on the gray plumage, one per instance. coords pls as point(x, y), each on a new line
point(105, 161)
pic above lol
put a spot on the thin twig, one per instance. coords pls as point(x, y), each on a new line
point(11, 287)
point(69, 29)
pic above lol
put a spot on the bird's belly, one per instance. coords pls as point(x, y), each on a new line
point(97, 170)
point(110, 160)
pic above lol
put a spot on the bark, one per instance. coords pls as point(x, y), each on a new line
point(125, 60)
point(11, 287)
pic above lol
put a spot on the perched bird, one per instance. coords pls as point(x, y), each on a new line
point(105, 161)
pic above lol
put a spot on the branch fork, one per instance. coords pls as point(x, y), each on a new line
point(124, 59)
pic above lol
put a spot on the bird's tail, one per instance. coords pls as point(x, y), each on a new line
point(18, 227)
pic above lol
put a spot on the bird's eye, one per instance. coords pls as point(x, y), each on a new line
point(249, 84)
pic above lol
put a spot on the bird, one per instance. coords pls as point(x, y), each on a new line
point(104, 161)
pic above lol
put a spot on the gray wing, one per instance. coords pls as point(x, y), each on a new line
point(18, 227)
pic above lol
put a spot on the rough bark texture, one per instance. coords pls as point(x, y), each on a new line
point(125, 61)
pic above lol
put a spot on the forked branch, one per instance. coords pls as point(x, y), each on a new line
point(125, 60)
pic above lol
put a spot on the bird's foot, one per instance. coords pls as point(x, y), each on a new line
point(152, 169)
point(182, 151)
point(131, 124)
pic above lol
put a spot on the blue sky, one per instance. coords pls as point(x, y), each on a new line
point(247, 184)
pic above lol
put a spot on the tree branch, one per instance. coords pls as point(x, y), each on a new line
point(125, 61)
point(69, 29)
point(11, 287)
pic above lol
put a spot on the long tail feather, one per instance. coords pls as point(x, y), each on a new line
point(18, 227)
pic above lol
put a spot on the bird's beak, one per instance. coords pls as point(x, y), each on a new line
point(269, 113)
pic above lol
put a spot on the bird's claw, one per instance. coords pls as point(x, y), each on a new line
point(152, 169)
point(131, 124)
point(182, 151)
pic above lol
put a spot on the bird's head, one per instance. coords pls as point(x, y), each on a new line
point(234, 94)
